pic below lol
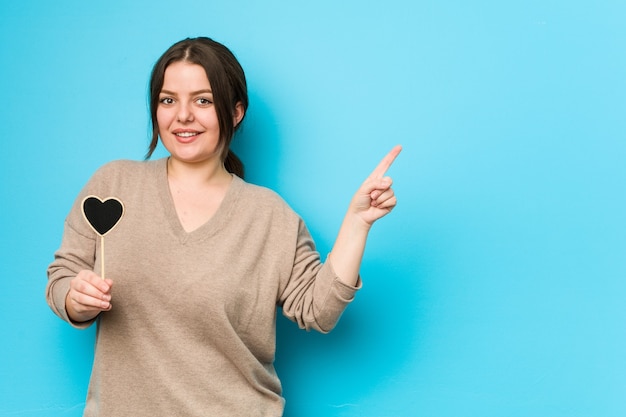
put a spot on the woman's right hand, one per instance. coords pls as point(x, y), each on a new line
point(88, 296)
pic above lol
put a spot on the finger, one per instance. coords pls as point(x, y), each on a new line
point(86, 297)
point(386, 162)
point(86, 294)
point(383, 198)
point(380, 186)
point(87, 282)
point(83, 302)
point(388, 204)
point(94, 280)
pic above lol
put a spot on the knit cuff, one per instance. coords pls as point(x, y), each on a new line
point(334, 296)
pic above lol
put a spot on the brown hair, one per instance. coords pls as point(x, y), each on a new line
point(228, 84)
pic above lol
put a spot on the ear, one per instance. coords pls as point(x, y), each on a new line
point(238, 114)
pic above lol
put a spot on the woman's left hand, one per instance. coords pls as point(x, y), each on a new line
point(375, 197)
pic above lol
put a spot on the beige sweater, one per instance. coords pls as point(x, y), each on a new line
point(192, 329)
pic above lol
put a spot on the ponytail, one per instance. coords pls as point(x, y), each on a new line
point(233, 164)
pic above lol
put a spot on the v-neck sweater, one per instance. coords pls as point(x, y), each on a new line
point(193, 323)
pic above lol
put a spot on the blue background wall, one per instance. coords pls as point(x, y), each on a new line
point(497, 286)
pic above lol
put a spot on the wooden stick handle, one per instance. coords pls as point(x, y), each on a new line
point(102, 257)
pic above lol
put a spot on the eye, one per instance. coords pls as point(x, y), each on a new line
point(203, 101)
point(166, 100)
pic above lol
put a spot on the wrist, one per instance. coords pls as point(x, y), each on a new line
point(357, 223)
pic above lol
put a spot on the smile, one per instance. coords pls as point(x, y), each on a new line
point(186, 134)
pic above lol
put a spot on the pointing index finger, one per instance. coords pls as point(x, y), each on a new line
point(386, 162)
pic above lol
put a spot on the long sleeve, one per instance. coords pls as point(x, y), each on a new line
point(76, 253)
point(314, 297)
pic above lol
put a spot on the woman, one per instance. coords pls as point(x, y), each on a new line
point(200, 259)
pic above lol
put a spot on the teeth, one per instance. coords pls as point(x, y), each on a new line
point(186, 134)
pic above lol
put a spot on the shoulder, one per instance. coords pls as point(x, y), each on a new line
point(121, 174)
point(127, 168)
point(258, 193)
point(262, 199)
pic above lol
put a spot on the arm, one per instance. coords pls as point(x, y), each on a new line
point(374, 199)
point(314, 293)
point(74, 292)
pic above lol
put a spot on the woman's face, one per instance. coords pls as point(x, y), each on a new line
point(186, 117)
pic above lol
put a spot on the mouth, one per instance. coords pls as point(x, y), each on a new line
point(186, 135)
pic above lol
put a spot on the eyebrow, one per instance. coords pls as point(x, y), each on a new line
point(193, 93)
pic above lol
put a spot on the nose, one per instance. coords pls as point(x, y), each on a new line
point(184, 114)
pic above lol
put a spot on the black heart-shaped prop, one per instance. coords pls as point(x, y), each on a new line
point(101, 215)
